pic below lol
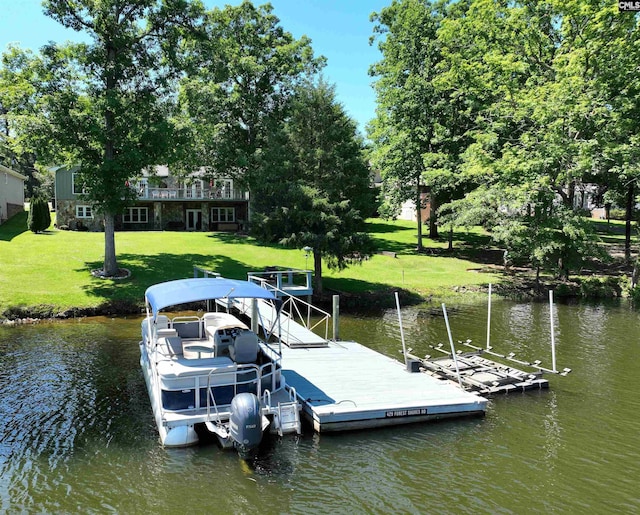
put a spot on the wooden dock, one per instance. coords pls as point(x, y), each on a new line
point(346, 386)
point(343, 385)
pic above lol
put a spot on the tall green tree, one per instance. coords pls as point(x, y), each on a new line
point(18, 104)
point(327, 192)
point(404, 127)
point(421, 124)
point(106, 104)
point(548, 120)
point(241, 74)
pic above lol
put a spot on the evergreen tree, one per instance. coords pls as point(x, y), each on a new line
point(39, 218)
point(321, 201)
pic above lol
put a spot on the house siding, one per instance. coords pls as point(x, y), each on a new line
point(167, 207)
point(11, 193)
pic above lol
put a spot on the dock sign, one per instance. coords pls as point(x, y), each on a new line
point(629, 6)
point(406, 412)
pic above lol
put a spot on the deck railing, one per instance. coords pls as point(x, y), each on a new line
point(166, 194)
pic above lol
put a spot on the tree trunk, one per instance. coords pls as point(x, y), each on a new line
point(110, 264)
point(572, 194)
point(628, 217)
point(419, 217)
point(317, 271)
point(451, 238)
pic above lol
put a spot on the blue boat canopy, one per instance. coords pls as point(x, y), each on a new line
point(173, 293)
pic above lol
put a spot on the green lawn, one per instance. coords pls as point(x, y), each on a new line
point(53, 268)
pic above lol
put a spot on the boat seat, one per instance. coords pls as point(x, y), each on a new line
point(166, 333)
point(170, 345)
point(245, 347)
point(161, 327)
point(162, 322)
point(215, 321)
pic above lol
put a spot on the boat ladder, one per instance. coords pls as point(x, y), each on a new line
point(286, 415)
point(214, 426)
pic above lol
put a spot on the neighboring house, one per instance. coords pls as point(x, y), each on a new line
point(164, 203)
point(11, 193)
point(409, 212)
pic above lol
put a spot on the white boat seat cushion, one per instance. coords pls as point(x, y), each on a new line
point(217, 321)
point(245, 347)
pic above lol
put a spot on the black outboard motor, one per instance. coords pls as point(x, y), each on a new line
point(245, 422)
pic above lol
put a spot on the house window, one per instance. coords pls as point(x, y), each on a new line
point(84, 212)
point(223, 214)
point(77, 186)
point(136, 215)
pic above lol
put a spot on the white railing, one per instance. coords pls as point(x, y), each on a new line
point(191, 194)
point(294, 308)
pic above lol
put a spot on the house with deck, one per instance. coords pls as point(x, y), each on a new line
point(11, 193)
point(164, 202)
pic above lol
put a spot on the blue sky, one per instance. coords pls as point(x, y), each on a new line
point(339, 30)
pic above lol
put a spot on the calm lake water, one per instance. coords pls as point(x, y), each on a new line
point(77, 433)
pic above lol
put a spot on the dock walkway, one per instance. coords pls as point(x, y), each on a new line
point(346, 385)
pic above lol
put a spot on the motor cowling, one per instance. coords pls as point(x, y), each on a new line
point(245, 421)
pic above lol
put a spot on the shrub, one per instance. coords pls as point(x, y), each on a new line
point(597, 287)
point(617, 214)
point(39, 217)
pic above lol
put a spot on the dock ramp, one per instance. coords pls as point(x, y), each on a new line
point(292, 332)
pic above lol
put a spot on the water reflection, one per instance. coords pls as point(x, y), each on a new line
point(77, 433)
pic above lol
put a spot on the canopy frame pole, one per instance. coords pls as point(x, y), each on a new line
point(553, 337)
point(404, 347)
point(489, 321)
point(453, 350)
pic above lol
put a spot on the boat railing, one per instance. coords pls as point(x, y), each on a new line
point(266, 397)
point(261, 374)
point(293, 395)
point(295, 309)
point(273, 354)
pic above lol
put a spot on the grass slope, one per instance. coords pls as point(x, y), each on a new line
point(53, 268)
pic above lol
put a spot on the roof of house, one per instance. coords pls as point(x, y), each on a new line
point(11, 172)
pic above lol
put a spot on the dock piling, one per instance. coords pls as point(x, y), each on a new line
point(553, 338)
point(336, 318)
point(489, 321)
point(254, 316)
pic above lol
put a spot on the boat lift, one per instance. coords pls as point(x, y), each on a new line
point(476, 372)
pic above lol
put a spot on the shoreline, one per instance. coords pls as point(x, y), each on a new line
point(523, 290)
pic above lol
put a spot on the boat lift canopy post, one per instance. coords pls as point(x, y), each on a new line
point(553, 338)
point(404, 347)
point(453, 350)
point(489, 321)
